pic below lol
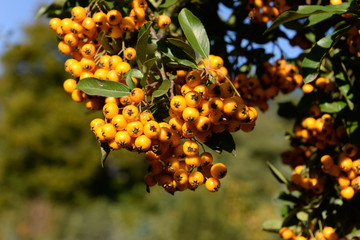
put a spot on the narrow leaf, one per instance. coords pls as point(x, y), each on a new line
point(288, 197)
point(105, 42)
point(167, 3)
point(332, 107)
point(132, 73)
point(142, 44)
point(352, 126)
point(105, 151)
point(195, 32)
point(42, 10)
point(146, 68)
point(104, 88)
point(344, 86)
point(163, 89)
point(312, 61)
point(278, 175)
point(303, 11)
point(59, 3)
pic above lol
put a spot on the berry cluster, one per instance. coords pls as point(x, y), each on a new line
point(321, 85)
point(81, 37)
point(320, 131)
point(280, 77)
point(321, 138)
point(327, 233)
point(346, 169)
point(313, 184)
point(263, 11)
point(201, 103)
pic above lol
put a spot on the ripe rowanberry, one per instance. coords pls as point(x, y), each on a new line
point(143, 143)
point(212, 184)
point(78, 14)
point(119, 122)
point(123, 138)
point(108, 131)
point(218, 170)
point(196, 179)
point(130, 53)
point(130, 112)
point(114, 17)
point(135, 129)
point(69, 85)
point(178, 103)
point(152, 129)
point(192, 99)
point(95, 123)
point(191, 148)
point(163, 21)
point(137, 95)
point(190, 114)
point(110, 110)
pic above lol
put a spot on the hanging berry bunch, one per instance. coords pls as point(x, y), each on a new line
point(156, 97)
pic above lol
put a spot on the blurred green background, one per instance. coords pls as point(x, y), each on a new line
point(54, 188)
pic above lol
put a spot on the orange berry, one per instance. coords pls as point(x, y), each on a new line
point(130, 53)
point(218, 170)
point(347, 192)
point(163, 21)
point(212, 184)
point(69, 85)
point(137, 95)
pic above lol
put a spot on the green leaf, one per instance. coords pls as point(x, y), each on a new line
point(105, 151)
point(278, 175)
point(317, 18)
point(343, 82)
point(188, 50)
point(285, 210)
point(312, 61)
point(303, 11)
point(163, 89)
point(155, 3)
point(222, 141)
point(333, 107)
point(351, 127)
point(146, 68)
point(160, 111)
point(132, 73)
point(195, 32)
point(272, 225)
point(167, 3)
point(176, 54)
point(42, 10)
point(105, 42)
point(142, 44)
point(109, 5)
point(104, 88)
point(288, 197)
point(56, 9)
